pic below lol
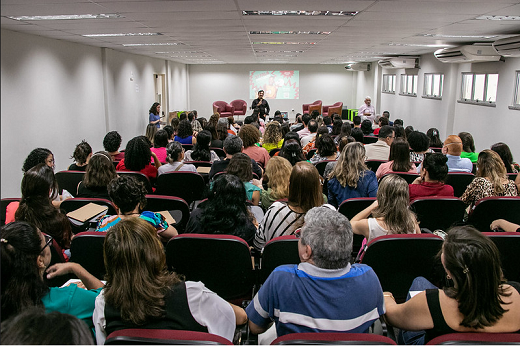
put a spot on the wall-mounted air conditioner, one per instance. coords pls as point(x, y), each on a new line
point(359, 66)
point(508, 46)
point(399, 62)
point(469, 53)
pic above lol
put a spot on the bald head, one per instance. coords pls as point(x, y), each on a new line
point(454, 145)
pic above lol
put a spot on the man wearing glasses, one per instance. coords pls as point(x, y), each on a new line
point(324, 292)
point(380, 150)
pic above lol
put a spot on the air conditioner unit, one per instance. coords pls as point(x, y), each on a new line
point(508, 46)
point(399, 62)
point(359, 66)
point(469, 53)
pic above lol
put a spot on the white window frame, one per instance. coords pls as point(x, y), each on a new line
point(485, 87)
point(404, 82)
point(516, 93)
point(388, 79)
point(428, 85)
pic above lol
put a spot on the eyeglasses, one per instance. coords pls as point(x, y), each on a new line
point(48, 242)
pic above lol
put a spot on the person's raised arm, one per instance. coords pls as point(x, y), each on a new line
point(156, 161)
point(89, 280)
point(360, 221)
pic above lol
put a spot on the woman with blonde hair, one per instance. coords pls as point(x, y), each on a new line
point(278, 171)
point(151, 130)
point(272, 138)
point(390, 212)
point(141, 293)
point(351, 177)
point(284, 218)
point(491, 179)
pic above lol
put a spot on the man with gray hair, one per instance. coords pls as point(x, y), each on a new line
point(367, 111)
point(324, 293)
point(232, 145)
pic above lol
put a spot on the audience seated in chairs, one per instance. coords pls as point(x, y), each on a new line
point(390, 212)
point(326, 149)
point(272, 138)
point(201, 151)
point(25, 258)
point(129, 198)
point(225, 211)
point(277, 173)
point(452, 148)
point(435, 140)
point(292, 149)
point(351, 177)
point(305, 192)
point(81, 156)
point(504, 152)
point(491, 179)
point(100, 171)
point(185, 133)
point(150, 132)
point(346, 130)
point(141, 293)
point(250, 135)
point(419, 145)
point(111, 144)
point(432, 177)
point(399, 159)
point(240, 165)
point(175, 157)
point(160, 141)
point(476, 298)
point(309, 142)
point(138, 157)
point(232, 145)
point(468, 147)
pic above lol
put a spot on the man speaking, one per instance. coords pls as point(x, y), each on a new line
point(261, 104)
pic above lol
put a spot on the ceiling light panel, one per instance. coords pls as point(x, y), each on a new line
point(69, 17)
point(300, 13)
point(499, 18)
point(289, 32)
point(125, 34)
point(308, 43)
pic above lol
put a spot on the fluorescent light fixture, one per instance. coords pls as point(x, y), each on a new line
point(284, 42)
point(299, 13)
point(190, 56)
point(458, 36)
point(184, 52)
point(278, 51)
point(420, 45)
point(289, 32)
point(498, 18)
point(152, 44)
point(70, 16)
point(125, 34)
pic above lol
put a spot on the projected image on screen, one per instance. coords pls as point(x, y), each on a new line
point(281, 85)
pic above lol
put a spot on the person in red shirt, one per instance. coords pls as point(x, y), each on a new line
point(382, 122)
point(434, 171)
point(138, 157)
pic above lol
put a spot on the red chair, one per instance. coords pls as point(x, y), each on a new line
point(187, 185)
point(476, 339)
point(3, 208)
point(306, 106)
point(139, 177)
point(508, 244)
point(278, 251)
point(335, 108)
point(459, 181)
point(333, 339)
point(489, 209)
point(409, 177)
point(240, 107)
point(163, 337)
point(86, 249)
point(223, 108)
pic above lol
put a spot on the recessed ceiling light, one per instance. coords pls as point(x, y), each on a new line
point(498, 18)
point(289, 32)
point(420, 45)
point(70, 16)
point(125, 34)
point(458, 36)
point(190, 56)
point(183, 52)
point(278, 51)
point(284, 42)
point(299, 13)
point(152, 44)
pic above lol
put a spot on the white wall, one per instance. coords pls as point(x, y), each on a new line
point(329, 83)
point(488, 125)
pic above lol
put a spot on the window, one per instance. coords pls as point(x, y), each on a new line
point(516, 93)
point(433, 83)
point(409, 84)
point(479, 88)
point(389, 83)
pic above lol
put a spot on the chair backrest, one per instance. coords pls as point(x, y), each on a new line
point(199, 163)
point(374, 164)
point(489, 209)
point(139, 177)
point(219, 151)
point(4, 202)
point(187, 185)
point(187, 146)
point(320, 166)
point(69, 181)
point(369, 139)
point(219, 106)
point(178, 208)
point(512, 176)
point(240, 105)
point(222, 262)
point(476, 339)
point(163, 337)
point(278, 251)
point(86, 249)
point(508, 244)
point(311, 153)
point(333, 339)
point(56, 257)
point(438, 212)
point(350, 208)
point(459, 181)
point(398, 259)
point(316, 107)
point(409, 177)
point(72, 204)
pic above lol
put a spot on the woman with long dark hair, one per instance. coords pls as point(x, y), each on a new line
point(399, 159)
point(468, 147)
point(201, 151)
point(504, 152)
point(292, 149)
point(435, 140)
point(185, 134)
point(154, 117)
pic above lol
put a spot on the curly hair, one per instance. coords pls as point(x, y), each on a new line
point(249, 134)
point(127, 193)
point(22, 285)
point(38, 155)
point(418, 141)
point(81, 153)
point(272, 133)
point(100, 170)
point(241, 166)
point(185, 129)
point(137, 154)
point(153, 109)
point(112, 141)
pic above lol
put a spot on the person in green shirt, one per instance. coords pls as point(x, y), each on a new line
point(468, 147)
point(272, 138)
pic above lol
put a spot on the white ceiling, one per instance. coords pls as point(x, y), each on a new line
point(215, 31)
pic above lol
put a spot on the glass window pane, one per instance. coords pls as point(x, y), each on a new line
point(436, 85)
point(478, 94)
point(467, 85)
point(492, 85)
point(414, 89)
point(409, 84)
point(427, 84)
point(403, 83)
point(517, 90)
point(393, 83)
